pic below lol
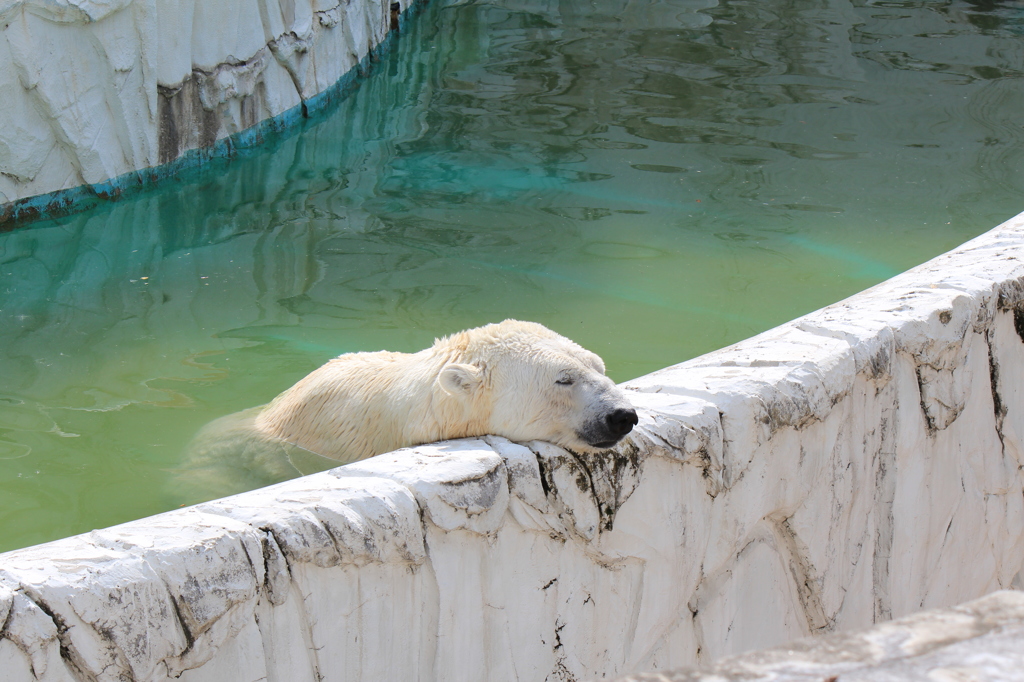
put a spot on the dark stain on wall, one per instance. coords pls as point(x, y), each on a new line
point(184, 123)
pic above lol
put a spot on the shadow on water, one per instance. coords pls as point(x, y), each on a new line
point(652, 179)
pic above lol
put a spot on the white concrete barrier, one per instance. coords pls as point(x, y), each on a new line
point(978, 641)
point(100, 97)
point(857, 464)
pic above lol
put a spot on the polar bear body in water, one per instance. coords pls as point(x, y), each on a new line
point(519, 380)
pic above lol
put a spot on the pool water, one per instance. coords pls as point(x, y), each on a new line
point(652, 179)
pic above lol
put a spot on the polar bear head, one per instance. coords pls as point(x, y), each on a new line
point(528, 383)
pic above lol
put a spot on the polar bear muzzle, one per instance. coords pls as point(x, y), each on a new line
point(618, 423)
point(609, 428)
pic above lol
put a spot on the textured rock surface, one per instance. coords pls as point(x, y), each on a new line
point(857, 464)
point(96, 90)
point(979, 640)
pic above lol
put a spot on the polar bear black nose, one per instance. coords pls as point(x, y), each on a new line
point(621, 421)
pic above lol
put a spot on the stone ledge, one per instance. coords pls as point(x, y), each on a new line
point(980, 640)
point(823, 476)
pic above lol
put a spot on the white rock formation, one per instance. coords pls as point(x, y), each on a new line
point(857, 464)
point(95, 90)
point(977, 641)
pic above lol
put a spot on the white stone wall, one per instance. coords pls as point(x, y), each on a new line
point(857, 464)
point(980, 641)
point(93, 90)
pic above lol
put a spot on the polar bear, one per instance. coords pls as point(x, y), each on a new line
point(514, 379)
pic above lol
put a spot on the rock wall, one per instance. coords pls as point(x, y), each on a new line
point(980, 640)
point(858, 464)
point(96, 93)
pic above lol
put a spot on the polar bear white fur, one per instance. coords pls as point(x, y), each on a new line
point(514, 379)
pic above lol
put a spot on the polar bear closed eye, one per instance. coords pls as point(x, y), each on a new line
point(514, 379)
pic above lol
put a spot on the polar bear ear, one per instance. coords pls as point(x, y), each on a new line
point(595, 361)
point(459, 379)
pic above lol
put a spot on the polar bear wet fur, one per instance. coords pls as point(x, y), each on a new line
point(514, 379)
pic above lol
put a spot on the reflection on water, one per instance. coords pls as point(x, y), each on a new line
point(652, 179)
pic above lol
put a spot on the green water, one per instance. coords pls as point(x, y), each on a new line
point(652, 179)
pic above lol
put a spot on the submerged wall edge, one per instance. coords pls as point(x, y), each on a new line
point(163, 87)
point(857, 464)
